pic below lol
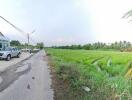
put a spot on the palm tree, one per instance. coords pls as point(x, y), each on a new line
point(128, 14)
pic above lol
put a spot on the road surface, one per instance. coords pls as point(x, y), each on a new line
point(5, 64)
point(28, 80)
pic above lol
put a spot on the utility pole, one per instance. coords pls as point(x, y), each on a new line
point(28, 38)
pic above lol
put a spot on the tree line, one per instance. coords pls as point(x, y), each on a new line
point(18, 44)
point(99, 45)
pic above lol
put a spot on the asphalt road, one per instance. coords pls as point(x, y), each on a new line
point(28, 80)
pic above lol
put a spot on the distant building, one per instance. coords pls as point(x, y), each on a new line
point(4, 42)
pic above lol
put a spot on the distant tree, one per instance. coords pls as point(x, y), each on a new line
point(40, 45)
point(99, 45)
point(15, 43)
point(26, 44)
point(87, 46)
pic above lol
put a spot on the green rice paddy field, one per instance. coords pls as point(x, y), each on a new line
point(106, 74)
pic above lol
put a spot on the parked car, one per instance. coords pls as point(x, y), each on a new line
point(10, 52)
point(35, 50)
point(26, 50)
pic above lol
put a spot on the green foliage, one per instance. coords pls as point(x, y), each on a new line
point(15, 43)
point(99, 45)
point(128, 14)
point(79, 68)
point(40, 45)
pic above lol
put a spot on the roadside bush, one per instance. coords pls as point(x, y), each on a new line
point(77, 78)
point(69, 73)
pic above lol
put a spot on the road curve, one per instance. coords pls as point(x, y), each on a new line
point(29, 80)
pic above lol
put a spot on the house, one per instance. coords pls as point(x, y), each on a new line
point(4, 42)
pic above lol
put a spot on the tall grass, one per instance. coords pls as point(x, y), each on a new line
point(76, 68)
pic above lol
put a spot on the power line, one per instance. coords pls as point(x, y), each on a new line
point(19, 30)
point(2, 34)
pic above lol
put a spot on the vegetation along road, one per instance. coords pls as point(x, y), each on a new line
point(92, 74)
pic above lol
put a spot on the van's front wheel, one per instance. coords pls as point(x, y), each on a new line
point(8, 57)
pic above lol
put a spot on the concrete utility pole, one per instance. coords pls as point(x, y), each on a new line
point(28, 38)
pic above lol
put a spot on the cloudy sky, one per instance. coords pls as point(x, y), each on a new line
point(62, 22)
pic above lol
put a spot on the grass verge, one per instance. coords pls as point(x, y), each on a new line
point(71, 79)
